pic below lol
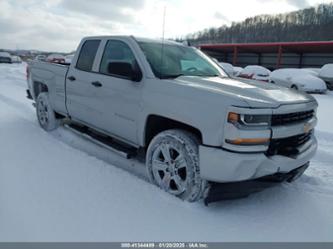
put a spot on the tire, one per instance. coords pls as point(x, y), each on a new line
point(172, 162)
point(45, 114)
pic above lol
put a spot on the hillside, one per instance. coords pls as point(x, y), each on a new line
point(311, 24)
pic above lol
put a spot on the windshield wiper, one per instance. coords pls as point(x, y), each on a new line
point(171, 76)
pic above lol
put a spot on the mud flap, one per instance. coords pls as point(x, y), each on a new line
point(29, 96)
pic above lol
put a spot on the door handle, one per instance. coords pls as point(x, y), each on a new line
point(97, 84)
point(71, 78)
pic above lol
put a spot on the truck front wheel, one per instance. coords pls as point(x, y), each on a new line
point(45, 114)
point(172, 162)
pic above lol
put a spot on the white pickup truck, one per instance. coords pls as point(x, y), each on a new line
point(203, 134)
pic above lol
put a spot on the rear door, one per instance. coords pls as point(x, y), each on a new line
point(80, 99)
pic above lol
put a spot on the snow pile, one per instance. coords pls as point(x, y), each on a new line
point(59, 187)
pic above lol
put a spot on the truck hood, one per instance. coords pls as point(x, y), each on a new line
point(255, 94)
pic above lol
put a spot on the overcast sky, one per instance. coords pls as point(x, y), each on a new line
point(58, 25)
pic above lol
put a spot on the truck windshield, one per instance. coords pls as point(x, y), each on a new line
point(172, 61)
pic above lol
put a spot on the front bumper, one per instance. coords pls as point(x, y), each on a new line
point(227, 191)
point(222, 166)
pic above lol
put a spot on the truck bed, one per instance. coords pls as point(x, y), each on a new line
point(55, 75)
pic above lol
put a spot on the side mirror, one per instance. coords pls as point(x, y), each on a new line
point(125, 70)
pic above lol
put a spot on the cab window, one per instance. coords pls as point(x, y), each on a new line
point(116, 51)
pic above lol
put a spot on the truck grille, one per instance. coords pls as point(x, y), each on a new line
point(283, 119)
point(288, 146)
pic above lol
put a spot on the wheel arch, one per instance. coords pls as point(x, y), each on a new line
point(156, 124)
point(39, 87)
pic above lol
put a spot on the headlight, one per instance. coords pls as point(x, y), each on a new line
point(247, 132)
point(248, 119)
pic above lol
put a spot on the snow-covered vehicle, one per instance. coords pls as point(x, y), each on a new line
point(227, 67)
point(298, 79)
point(16, 59)
point(313, 71)
point(237, 71)
point(40, 57)
point(202, 132)
point(69, 58)
point(326, 73)
point(255, 72)
point(5, 57)
point(56, 58)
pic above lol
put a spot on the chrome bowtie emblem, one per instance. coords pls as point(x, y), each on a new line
point(307, 127)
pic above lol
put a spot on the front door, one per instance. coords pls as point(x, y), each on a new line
point(118, 99)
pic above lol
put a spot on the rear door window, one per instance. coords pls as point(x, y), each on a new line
point(87, 55)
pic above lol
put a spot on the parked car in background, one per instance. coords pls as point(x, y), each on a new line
point(227, 67)
point(237, 71)
point(16, 59)
point(5, 57)
point(326, 74)
point(256, 73)
point(69, 58)
point(56, 58)
point(40, 57)
point(298, 79)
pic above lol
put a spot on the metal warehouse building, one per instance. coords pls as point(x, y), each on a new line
point(273, 55)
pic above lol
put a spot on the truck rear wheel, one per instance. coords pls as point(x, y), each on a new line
point(172, 163)
point(45, 114)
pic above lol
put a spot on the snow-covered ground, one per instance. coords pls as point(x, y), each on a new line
point(58, 187)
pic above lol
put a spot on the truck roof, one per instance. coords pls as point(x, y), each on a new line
point(139, 39)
